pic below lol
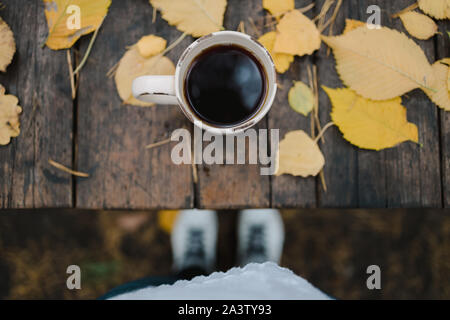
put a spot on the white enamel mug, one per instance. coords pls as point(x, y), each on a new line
point(170, 89)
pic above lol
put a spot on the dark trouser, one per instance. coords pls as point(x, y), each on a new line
point(186, 274)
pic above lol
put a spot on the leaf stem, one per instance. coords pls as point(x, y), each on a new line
point(65, 169)
point(88, 51)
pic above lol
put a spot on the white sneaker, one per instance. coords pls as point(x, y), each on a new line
point(260, 236)
point(194, 240)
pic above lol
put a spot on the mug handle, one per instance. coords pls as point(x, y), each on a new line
point(156, 89)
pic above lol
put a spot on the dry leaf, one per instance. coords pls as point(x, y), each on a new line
point(7, 45)
point(419, 25)
point(351, 24)
point(9, 117)
point(195, 17)
point(278, 7)
point(60, 36)
point(440, 9)
point(282, 60)
point(370, 124)
point(380, 64)
point(299, 155)
point(133, 65)
point(166, 219)
point(301, 98)
point(440, 93)
point(296, 35)
point(150, 45)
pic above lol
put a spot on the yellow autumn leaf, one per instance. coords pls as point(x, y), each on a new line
point(282, 60)
point(150, 45)
point(299, 155)
point(296, 35)
point(419, 25)
point(278, 7)
point(195, 17)
point(301, 98)
point(133, 65)
point(351, 24)
point(7, 45)
point(439, 9)
point(166, 219)
point(440, 89)
point(62, 18)
point(9, 117)
point(380, 64)
point(368, 124)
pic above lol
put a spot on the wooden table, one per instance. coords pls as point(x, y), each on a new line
point(97, 134)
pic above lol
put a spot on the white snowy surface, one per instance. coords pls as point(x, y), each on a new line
point(266, 281)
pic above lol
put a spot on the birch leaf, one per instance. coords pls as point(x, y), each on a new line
point(195, 17)
point(7, 45)
point(9, 117)
point(299, 155)
point(419, 25)
point(351, 24)
point(150, 45)
point(380, 64)
point(440, 94)
point(439, 9)
point(296, 35)
point(301, 98)
point(278, 7)
point(282, 60)
point(133, 65)
point(61, 34)
point(368, 124)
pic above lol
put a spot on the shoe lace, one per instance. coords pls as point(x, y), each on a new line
point(195, 251)
point(256, 249)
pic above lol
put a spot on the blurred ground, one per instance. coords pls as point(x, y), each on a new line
point(331, 248)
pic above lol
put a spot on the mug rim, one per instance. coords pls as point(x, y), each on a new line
point(263, 108)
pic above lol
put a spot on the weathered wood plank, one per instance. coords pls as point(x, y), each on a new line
point(235, 186)
point(287, 190)
point(443, 51)
point(341, 166)
point(112, 136)
point(413, 172)
point(404, 176)
point(39, 78)
point(371, 171)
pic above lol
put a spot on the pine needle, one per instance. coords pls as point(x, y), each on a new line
point(323, 12)
point(157, 144)
point(174, 44)
point(72, 78)
point(154, 15)
point(112, 71)
point(331, 21)
point(65, 169)
point(307, 8)
point(311, 85)
point(194, 171)
point(241, 27)
point(255, 29)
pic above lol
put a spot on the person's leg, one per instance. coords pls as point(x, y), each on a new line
point(194, 240)
point(260, 236)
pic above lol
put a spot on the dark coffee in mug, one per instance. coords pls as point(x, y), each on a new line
point(225, 85)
